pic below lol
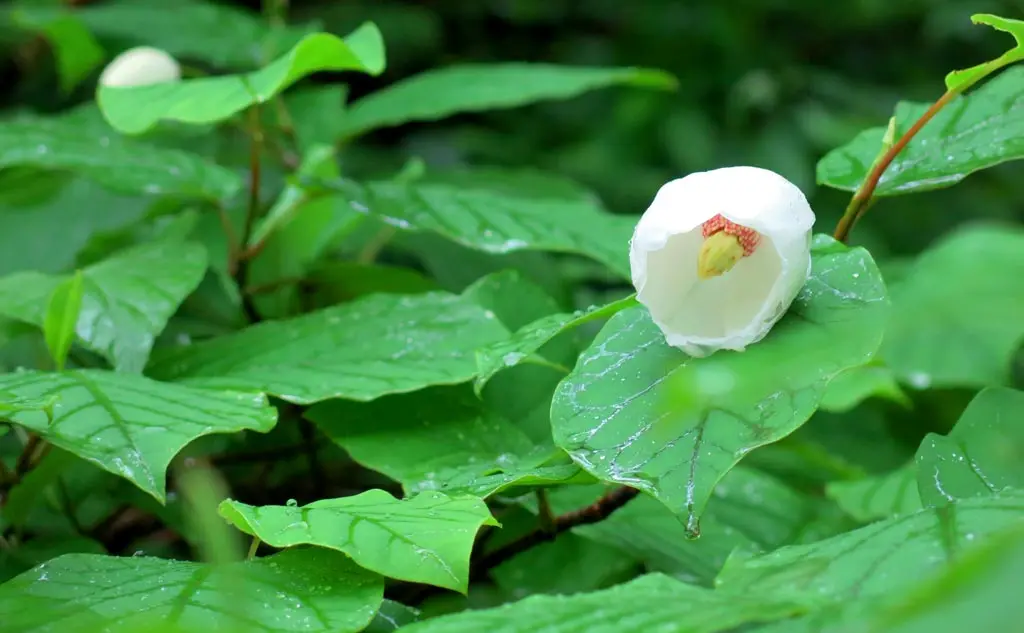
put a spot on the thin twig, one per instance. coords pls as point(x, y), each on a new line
point(255, 150)
point(28, 456)
point(231, 237)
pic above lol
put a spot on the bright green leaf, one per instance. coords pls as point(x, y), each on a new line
point(127, 299)
point(13, 403)
point(75, 49)
point(858, 384)
point(310, 589)
point(136, 109)
point(424, 539)
point(440, 93)
point(358, 351)
point(956, 312)
point(972, 132)
point(878, 497)
point(638, 412)
point(981, 456)
point(961, 79)
point(62, 310)
point(130, 425)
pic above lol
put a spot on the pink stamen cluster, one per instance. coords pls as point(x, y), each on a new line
point(748, 237)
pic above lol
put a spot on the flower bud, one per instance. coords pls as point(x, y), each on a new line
point(719, 256)
point(140, 66)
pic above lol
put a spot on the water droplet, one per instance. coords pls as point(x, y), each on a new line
point(292, 503)
point(920, 380)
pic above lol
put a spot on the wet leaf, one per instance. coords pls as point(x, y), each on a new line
point(130, 425)
point(378, 345)
point(858, 384)
point(878, 497)
point(638, 412)
point(981, 456)
point(425, 539)
point(62, 312)
point(311, 589)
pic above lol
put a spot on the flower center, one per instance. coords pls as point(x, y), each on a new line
point(725, 243)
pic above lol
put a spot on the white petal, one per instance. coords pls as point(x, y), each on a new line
point(140, 66)
point(738, 308)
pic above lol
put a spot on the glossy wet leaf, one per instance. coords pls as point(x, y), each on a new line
point(960, 79)
point(130, 425)
point(426, 538)
point(875, 560)
point(638, 412)
point(11, 402)
point(975, 131)
point(955, 311)
point(127, 299)
point(378, 345)
point(62, 312)
point(310, 589)
point(440, 93)
point(497, 220)
point(667, 605)
point(123, 165)
point(854, 386)
point(878, 497)
point(981, 456)
point(392, 616)
point(136, 109)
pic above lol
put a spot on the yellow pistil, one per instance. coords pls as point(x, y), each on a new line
point(718, 255)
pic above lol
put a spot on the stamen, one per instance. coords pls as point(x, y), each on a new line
point(725, 244)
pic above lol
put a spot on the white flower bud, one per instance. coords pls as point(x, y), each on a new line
point(141, 66)
point(720, 255)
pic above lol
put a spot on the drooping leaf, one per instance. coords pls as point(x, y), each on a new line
point(875, 560)
point(878, 497)
point(75, 50)
point(62, 310)
point(130, 425)
point(667, 605)
point(955, 315)
point(126, 302)
point(426, 538)
point(118, 163)
point(638, 412)
point(379, 345)
point(309, 589)
point(973, 132)
point(981, 456)
point(440, 93)
point(135, 109)
point(496, 220)
point(959, 79)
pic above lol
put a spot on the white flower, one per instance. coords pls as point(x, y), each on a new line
point(140, 66)
point(720, 255)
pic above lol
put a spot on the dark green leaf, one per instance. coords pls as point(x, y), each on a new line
point(309, 589)
point(638, 412)
point(440, 93)
point(391, 617)
point(76, 51)
point(569, 564)
point(61, 315)
point(130, 425)
point(426, 538)
point(878, 497)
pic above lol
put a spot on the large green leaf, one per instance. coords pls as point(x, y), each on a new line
point(981, 456)
point(362, 350)
point(638, 412)
point(855, 385)
point(306, 590)
point(875, 560)
point(973, 132)
point(496, 219)
point(75, 50)
point(440, 93)
point(650, 603)
point(427, 538)
point(127, 298)
point(956, 312)
point(120, 164)
point(135, 109)
point(878, 497)
point(130, 425)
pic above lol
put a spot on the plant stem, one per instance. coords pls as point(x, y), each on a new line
point(253, 547)
point(231, 236)
point(255, 149)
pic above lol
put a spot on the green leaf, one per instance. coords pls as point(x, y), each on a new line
point(136, 109)
point(653, 602)
point(379, 345)
point(961, 79)
point(127, 299)
point(62, 312)
point(530, 338)
point(955, 317)
point(638, 412)
point(493, 220)
point(337, 281)
point(76, 51)
point(972, 132)
point(130, 425)
point(440, 93)
point(391, 617)
point(120, 164)
point(311, 589)
point(875, 560)
point(424, 539)
point(878, 497)
point(569, 564)
point(13, 403)
point(981, 456)
point(855, 385)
